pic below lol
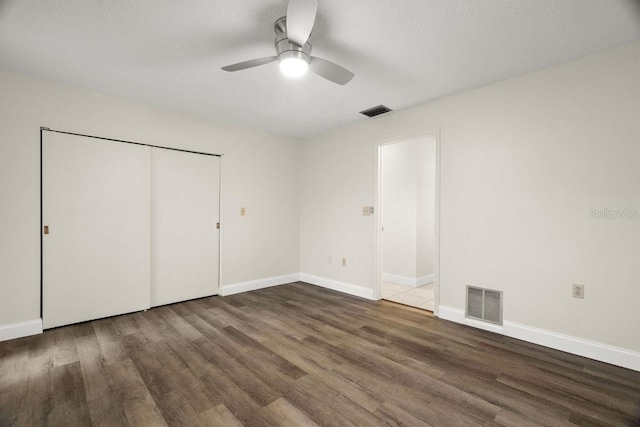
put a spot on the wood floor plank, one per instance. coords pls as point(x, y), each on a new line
point(311, 362)
point(36, 400)
point(219, 416)
point(177, 411)
point(253, 386)
point(144, 327)
point(112, 348)
point(68, 404)
point(288, 415)
point(152, 373)
point(508, 418)
point(133, 395)
point(14, 369)
point(243, 407)
point(511, 400)
point(301, 355)
point(311, 399)
point(395, 416)
point(104, 408)
point(265, 356)
point(192, 389)
point(571, 399)
point(179, 323)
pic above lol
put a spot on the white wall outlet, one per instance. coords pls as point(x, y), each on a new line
point(367, 210)
point(344, 262)
point(330, 260)
point(578, 291)
point(242, 212)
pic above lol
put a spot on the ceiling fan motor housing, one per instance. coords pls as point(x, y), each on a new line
point(285, 48)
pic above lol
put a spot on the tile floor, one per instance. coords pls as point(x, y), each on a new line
point(419, 297)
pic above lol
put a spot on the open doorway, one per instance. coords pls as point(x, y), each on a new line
point(407, 202)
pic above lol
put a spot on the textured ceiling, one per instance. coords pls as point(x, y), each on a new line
point(405, 52)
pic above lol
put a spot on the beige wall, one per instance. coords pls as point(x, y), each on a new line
point(260, 172)
point(399, 209)
point(522, 163)
point(407, 210)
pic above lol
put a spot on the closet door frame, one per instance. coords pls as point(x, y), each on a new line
point(41, 231)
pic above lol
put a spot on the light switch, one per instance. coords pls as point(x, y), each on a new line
point(242, 212)
point(367, 210)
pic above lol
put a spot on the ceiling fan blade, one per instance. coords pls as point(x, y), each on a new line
point(330, 71)
point(301, 15)
point(250, 64)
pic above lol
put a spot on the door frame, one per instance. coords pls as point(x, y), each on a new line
point(377, 288)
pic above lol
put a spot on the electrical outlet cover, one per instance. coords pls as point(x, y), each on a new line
point(367, 210)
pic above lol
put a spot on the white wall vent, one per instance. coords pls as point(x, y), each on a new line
point(484, 304)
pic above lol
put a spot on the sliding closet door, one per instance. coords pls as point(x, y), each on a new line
point(96, 253)
point(184, 238)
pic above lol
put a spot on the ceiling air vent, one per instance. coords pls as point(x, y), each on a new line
point(376, 111)
point(484, 304)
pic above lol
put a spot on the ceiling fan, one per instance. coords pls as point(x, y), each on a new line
point(293, 50)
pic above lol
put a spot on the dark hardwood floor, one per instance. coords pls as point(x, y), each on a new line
point(299, 355)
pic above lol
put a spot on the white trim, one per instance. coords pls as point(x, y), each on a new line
point(347, 288)
point(19, 330)
point(221, 229)
point(253, 285)
point(436, 278)
point(408, 281)
point(593, 350)
point(401, 280)
point(377, 235)
point(425, 280)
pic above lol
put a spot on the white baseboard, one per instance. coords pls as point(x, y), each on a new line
point(347, 288)
point(401, 280)
point(253, 285)
point(593, 350)
point(19, 330)
point(408, 281)
point(429, 278)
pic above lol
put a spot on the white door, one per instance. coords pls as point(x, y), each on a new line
point(185, 208)
point(96, 202)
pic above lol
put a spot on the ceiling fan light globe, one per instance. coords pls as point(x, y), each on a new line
point(293, 67)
